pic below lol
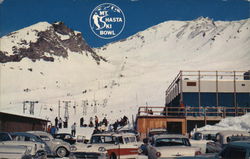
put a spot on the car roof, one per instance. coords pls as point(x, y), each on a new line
point(114, 134)
point(233, 132)
point(23, 134)
point(62, 134)
point(208, 131)
point(157, 129)
point(245, 144)
point(38, 132)
point(169, 136)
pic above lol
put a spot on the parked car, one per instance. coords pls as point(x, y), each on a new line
point(156, 131)
point(222, 139)
point(36, 149)
point(233, 150)
point(14, 152)
point(66, 137)
point(201, 138)
point(108, 145)
point(31, 137)
point(171, 146)
point(58, 147)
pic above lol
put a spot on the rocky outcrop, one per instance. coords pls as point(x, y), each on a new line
point(57, 40)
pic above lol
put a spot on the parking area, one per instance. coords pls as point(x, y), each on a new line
point(140, 157)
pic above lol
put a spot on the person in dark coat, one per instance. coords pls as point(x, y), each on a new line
point(81, 121)
point(96, 121)
point(60, 123)
point(105, 121)
point(56, 121)
point(115, 126)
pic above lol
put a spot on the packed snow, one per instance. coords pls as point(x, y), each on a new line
point(230, 123)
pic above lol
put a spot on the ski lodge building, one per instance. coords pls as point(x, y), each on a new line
point(198, 98)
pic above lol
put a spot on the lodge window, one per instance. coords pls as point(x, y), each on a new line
point(191, 83)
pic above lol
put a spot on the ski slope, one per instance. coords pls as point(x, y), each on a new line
point(138, 71)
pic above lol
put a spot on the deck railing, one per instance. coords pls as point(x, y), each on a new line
point(192, 111)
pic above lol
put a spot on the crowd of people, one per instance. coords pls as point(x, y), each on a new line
point(99, 125)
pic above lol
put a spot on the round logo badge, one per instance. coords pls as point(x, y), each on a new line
point(107, 21)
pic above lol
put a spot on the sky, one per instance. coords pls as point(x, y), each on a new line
point(139, 14)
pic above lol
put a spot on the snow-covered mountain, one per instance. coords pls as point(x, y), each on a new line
point(43, 41)
point(117, 78)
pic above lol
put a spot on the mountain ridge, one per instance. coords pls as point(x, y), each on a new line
point(43, 41)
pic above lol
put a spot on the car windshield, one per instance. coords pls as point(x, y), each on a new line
point(171, 142)
point(4, 137)
point(103, 140)
point(198, 136)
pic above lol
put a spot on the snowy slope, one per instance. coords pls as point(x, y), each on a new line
point(138, 71)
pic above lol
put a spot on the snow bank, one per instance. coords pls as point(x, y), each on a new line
point(231, 123)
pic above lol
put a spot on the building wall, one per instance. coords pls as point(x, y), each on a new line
point(210, 99)
point(210, 86)
point(13, 123)
point(145, 123)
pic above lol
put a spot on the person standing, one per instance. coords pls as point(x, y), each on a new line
point(105, 121)
point(96, 121)
point(60, 123)
point(73, 130)
point(53, 131)
point(56, 121)
point(81, 121)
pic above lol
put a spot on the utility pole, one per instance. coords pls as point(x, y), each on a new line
point(32, 106)
point(66, 113)
point(95, 107)
point(84, 107)
point(24, 106)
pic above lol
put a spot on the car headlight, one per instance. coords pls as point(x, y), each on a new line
point(140, 150)
point(73, 148)
point(43, 146)
point(29, 149)
point(101, 149)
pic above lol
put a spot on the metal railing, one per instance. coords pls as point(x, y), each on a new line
point(192, 111)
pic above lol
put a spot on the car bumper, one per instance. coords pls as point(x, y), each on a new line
point(88, 155)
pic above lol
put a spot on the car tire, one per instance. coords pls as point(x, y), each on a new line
point(113, 156)
point(61, 152)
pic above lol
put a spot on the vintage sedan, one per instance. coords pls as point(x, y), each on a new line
point(108, 145)
point(233, 150)
point(66, 137)
point(31, 137)
point(201, 138)
point(14, 152)
point(58, 147)
point(36, 149)
point(222, 139)
point(171, 146)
